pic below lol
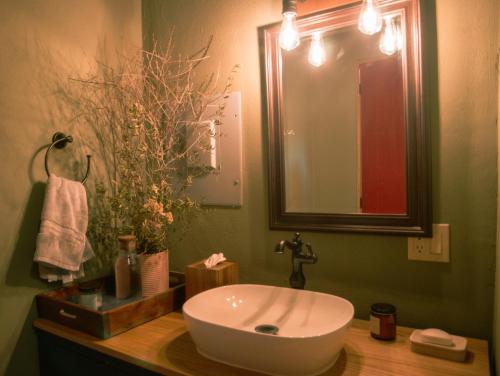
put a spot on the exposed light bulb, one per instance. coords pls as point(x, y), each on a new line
point(289, 34)
point(389, 40)
point(317, 54)
point(370, 20)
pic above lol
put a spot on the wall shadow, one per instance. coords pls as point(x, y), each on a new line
point(32, 162)
point(24, 360)
point(22, 270)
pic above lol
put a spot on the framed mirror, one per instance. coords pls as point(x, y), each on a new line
point(349, 147)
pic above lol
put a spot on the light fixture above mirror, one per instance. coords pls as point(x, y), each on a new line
point(370, 22)
point(289, 34)
point(370, 19)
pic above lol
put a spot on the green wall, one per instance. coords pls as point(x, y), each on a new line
point(496, 312)
point(38, 39)
point(458, 296)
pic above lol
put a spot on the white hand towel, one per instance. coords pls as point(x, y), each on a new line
point(61, 245)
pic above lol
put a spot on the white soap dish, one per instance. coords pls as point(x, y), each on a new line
point(438, 343)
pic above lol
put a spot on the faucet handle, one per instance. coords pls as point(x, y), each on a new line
point(296, 237)
point(310, 251)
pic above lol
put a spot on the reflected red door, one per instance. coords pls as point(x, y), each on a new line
point(382, 133)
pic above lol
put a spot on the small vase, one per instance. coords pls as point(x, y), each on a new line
point(154, 273)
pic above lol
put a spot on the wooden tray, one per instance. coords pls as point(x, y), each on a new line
point(114, 317)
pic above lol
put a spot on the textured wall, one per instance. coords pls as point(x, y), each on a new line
point(37, 38)
point(496, 321)
point(457, 296)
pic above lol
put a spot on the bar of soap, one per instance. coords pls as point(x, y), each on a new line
point(437, 337)
point(434, 343)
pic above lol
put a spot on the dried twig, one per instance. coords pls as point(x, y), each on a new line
point(141, 112)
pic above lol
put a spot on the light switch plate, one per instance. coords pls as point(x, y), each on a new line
point(223, 185)
point(435, 249)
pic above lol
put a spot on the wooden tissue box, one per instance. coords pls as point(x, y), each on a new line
point(199, 278)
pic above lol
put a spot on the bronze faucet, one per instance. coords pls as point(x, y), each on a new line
point(297, 278)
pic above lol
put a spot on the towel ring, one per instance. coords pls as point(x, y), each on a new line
point(59, 141)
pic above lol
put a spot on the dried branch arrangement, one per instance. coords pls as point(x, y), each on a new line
point(141, 111)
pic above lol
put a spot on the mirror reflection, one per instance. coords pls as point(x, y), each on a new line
point(343, 121)
point(349, 146)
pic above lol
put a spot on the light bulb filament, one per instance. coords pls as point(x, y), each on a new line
point(370, 20)
point(289, 34)
point(390, 41)
point(317, 55)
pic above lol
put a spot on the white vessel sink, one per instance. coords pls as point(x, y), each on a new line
point(227, 322)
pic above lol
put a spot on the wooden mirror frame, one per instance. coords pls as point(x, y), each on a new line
point(418, 219)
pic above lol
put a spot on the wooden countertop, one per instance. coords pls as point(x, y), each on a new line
point(164, 346)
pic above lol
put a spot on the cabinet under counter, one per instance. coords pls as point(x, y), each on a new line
point(163, 346)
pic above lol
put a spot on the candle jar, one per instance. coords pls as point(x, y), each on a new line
point(383, 321)
point(90, 295)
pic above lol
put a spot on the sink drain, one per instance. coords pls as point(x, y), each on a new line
point(267, 329)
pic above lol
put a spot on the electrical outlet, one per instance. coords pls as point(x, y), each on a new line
point(435, 249)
